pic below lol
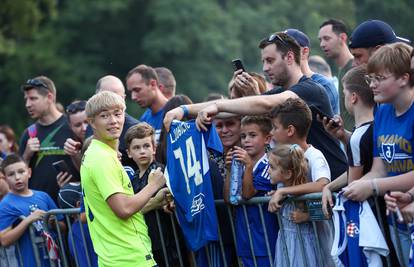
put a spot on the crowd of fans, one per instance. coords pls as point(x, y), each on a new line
point(298, 128)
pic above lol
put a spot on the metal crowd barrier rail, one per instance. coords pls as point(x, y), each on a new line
point(183, 257)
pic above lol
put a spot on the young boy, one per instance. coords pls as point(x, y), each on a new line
point(22, 201)
point(140, 142)
point(118, 230)
point(389, 76)
point(359, 102)
point(291, 123)
point(255, 136)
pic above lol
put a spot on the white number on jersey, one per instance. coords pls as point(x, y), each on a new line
point(193, 167)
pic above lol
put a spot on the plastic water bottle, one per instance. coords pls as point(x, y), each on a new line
point(37, 224)
point(236, 180)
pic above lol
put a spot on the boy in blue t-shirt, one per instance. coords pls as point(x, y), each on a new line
point(390, 78)
point(21, 201)
point(255, 136)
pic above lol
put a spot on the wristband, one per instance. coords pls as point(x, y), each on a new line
point(411, 196)
point(185, 110)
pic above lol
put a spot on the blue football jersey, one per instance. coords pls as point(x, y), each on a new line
point(358, 240)
point(188, 178)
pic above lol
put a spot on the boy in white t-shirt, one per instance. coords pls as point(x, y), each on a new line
point(291, 122)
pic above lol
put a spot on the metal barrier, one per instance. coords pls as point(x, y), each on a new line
point(223, 256)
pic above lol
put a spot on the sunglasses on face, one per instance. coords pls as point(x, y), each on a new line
point(76, 107)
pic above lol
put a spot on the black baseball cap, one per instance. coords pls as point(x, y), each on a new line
point(300, 37)
point(371, 33)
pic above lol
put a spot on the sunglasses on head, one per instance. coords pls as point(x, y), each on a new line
point(275, 37)
point(76, 107)
point(34, 83)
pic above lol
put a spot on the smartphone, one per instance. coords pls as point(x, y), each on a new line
point(322, 114)
point(61, 166)
point(238, 65)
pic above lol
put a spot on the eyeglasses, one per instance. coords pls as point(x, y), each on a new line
point(376, 78)
point(76, 107)
point(34, 83)
point(272, 38)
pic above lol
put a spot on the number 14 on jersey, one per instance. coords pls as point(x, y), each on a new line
point(191, 168)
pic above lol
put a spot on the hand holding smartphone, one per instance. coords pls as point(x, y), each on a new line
point(238, 65)
point(322, 114)
point(61, 166)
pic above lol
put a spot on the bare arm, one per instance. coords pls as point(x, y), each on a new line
point(253, 105)
point(10, 235)
point(125, 206)
point(377, 180)
point(248, 190)
point(156, 202)
point(307, 188)
point(226, 189)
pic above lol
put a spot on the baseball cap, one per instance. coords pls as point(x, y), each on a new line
point(300, 37)
point(69, 195)
point(371, 33)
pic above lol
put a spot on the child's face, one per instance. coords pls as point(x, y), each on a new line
point(280, 134)
point(17, 176)
point(385, 87)
point(253, 140)
point(277, 175)
point(142, 151)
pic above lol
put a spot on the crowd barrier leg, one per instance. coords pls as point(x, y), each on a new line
point(34, 240)
point(70, 233)
point(164, 249)
point(283, 237)
point(382, 227)
point(85, 245)
point(249, 234)
point(223, 253)
point(269, 253)
point(177, 242)
point(321, 259)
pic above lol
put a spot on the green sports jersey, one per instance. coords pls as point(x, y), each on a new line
point(117, 242)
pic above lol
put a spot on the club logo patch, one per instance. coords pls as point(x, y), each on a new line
point(352, 229)
point(388, 151)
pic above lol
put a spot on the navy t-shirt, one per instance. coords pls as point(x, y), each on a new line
point(313, 94)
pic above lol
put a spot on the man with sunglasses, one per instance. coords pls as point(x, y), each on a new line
point(42, 142)
point(281, 63)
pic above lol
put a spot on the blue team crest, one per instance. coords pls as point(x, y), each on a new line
point(198, 204)
point(352, 229)
point(388, 151)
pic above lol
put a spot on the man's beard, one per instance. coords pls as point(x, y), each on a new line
point(282, 79)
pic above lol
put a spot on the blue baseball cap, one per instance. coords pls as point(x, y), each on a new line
point(300, 37)
point(371, 33)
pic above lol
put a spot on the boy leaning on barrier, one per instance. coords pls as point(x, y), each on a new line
point(22, 201)
point(117, 227)
point(359, 102)
point(140, 143)
point(291, 123)
point(255, 137)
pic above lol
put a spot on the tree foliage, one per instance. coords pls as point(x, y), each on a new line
point(75, 42)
